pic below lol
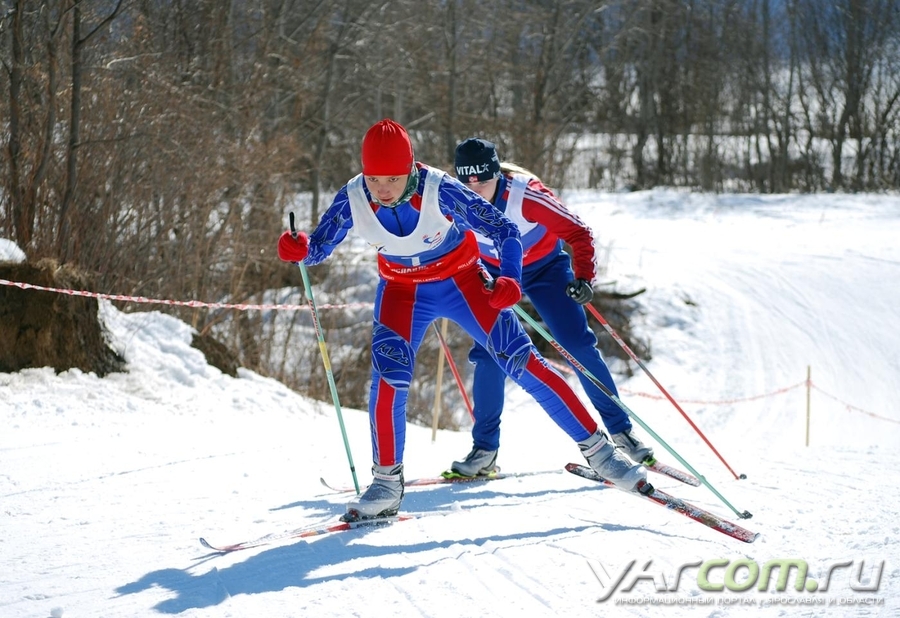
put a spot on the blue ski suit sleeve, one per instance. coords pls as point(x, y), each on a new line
point(331, 230)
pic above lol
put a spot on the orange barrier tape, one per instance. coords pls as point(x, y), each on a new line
point(180, 303)
point(850, 408)
point(722, 401)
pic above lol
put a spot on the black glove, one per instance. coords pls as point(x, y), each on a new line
point(580, 291)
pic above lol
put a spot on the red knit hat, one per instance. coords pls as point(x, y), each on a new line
point(386, 150)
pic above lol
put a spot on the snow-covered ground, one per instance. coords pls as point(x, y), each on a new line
point(107, 484)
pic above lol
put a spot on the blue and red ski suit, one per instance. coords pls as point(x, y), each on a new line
point(544, 224)
point(429, 268)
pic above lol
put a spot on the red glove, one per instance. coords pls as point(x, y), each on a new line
point(506, 293)
point(292, 249)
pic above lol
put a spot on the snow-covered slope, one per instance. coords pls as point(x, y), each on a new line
point(107, 484)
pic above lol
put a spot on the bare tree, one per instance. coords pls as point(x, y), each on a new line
point(32, 67)
point(64, 243)
point(843, 42)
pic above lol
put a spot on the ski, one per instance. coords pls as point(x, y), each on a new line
point(320, 529)
point(450, 479)
point(675, 473)
point(672, 503)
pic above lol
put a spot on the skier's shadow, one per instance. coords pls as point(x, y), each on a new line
point(296, 563)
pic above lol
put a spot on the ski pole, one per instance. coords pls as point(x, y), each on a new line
point(626, 409)
point(634, 357)
point(325, 360)
point(453, 368)
point(438, 389)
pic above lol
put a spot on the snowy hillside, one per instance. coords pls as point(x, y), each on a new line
point(106, 485)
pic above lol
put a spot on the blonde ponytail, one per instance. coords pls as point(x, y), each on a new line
point(512, 168)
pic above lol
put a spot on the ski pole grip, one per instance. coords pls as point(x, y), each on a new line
point(293, 229)
point(486, 280)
